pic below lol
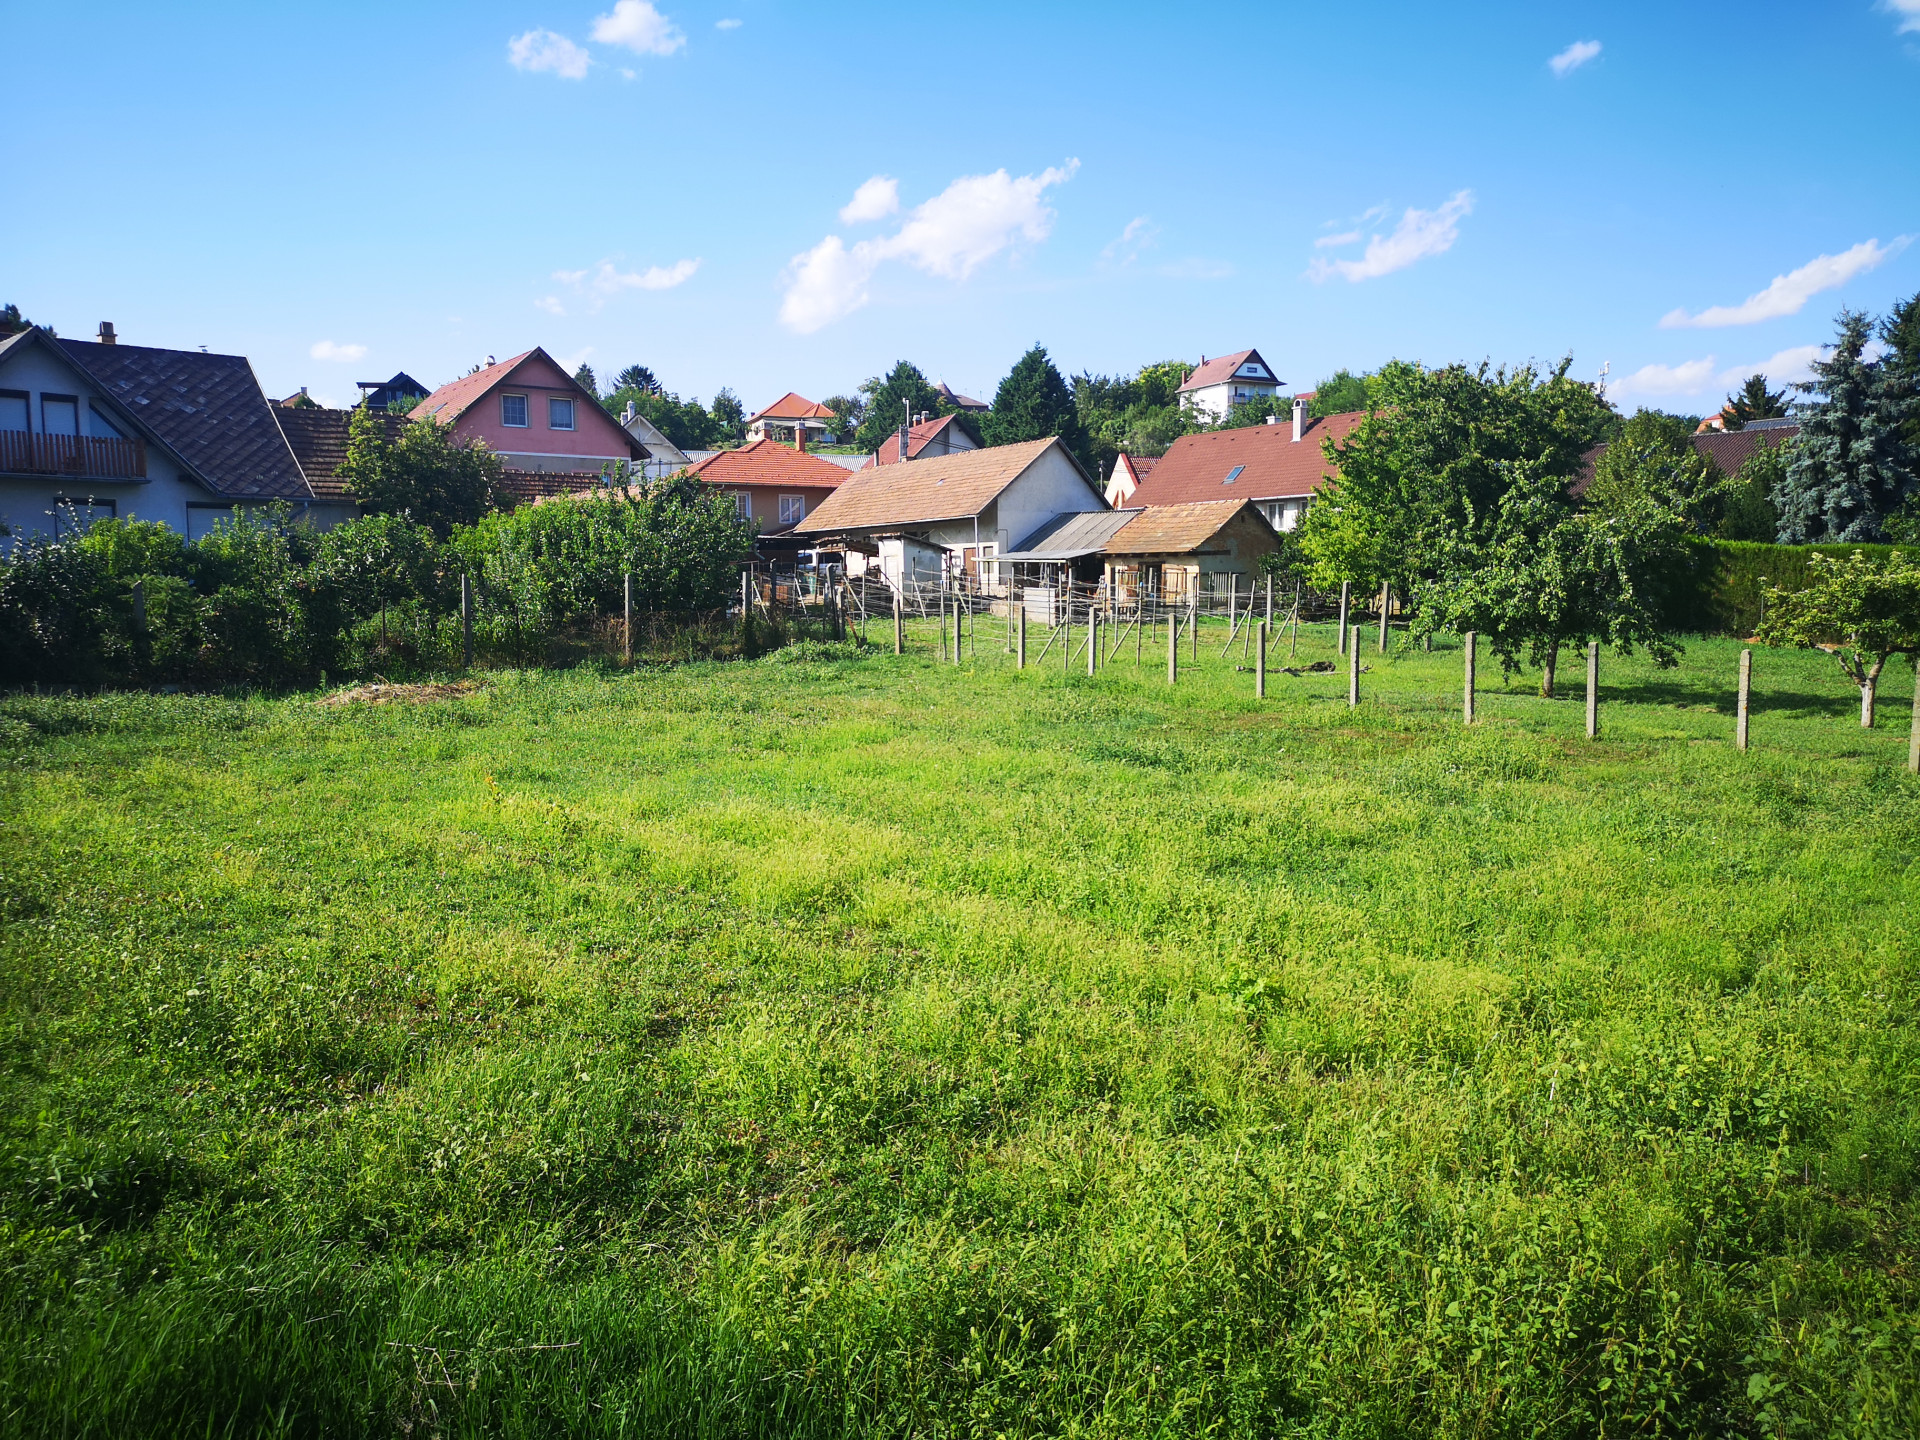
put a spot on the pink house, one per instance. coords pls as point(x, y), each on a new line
point(534, 415)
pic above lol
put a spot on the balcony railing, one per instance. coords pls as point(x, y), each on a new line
point(84, 456)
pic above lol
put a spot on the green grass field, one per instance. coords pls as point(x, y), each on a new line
point(871, 1046)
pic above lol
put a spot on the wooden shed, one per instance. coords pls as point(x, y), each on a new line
point(1175, 550)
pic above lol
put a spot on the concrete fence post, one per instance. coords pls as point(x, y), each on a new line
point(1353, 668)
point(1466, 704)
point(466, 622)
point(626, 616)
point(1260, 663)
point(1343, 616)
point(1020, 640)
point(1743, 705)
point(1913, 733)
point(1093, 639)
point(1173, 649)
point(1386, 601)
point(1593, 689)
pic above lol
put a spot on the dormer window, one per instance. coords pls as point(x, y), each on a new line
point(513, 411)
point(559, 413)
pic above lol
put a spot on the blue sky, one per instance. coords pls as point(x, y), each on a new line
point(341, 190)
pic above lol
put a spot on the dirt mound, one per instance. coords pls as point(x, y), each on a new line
point(382, 694)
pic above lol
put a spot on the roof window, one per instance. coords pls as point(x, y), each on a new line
point(1233, 474)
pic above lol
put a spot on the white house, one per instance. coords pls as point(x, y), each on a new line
point(663, 456)
point(1225, 381)
point(954, 514)
point(91, 429)
point(795, 419)
point(1128, 474)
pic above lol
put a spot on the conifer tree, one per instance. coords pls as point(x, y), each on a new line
point(1854, 465)
point(1753, 401)
point(1034, 402)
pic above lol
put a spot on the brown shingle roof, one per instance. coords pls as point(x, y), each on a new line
point(1220, 370)
point(768, 462)
point(520, 487)
point(1178, 529)
point(948, 487)
point(318, 439)
point(1196, 467)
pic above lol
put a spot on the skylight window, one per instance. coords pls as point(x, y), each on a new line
point(1233, 474)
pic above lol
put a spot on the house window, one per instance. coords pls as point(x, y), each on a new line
point(559, 413)
point(793, 509)
point(743, 502)
point(513, 411)
point(1233, 474)
point(76, 517)
point(59, 415)
point(13, 410)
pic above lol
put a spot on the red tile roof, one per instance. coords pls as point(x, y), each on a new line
point(1219, 370)
point(451, 400)
point(768, 462)
point(793, 407)
point(920, 438)
point(1196, 467)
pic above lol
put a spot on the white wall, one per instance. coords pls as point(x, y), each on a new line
point(1051, 486)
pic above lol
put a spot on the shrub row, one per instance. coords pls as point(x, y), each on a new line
point(1732, 574)
point(263, 601)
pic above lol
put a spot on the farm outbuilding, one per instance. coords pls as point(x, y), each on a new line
point(1174, 551)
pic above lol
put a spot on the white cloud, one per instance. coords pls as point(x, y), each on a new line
point(544, 50)
point(1196, 267)
point(874, 200)
point(551, 304)
point(1349, 237)
point(726, 24)
point(1659, 382)
point(951, 235)
point(1419, 234)
point(605, 280)
point(641, 28)
point(1909, 13)
point(1706, 378)
point(1789, 292)
point(826, 283)
point(327, 350)
point(1125, 247)
point(626, 74)
point(1573, 57)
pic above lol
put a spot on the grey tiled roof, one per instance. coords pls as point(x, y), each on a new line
point(208, 409)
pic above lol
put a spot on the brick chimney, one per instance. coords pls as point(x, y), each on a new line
point(107, 336)
point(1299, 418)
point(800, 438)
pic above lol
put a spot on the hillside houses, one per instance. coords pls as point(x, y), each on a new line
point(1278, 467)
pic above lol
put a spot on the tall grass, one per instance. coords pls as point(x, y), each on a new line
point(843, 1044)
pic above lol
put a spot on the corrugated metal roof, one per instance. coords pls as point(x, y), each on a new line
point(1067, 537)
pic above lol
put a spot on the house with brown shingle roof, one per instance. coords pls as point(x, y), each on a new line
point(774, 485)
point(1225, 381)
point(944, 436)
point(1278, 467)
point(954, 514)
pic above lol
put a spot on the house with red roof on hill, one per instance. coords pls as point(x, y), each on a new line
point(1278, 467)
point(793, 418)
point(549, 430)
point(944, 436)
point(1225, 381)
point(774, 485)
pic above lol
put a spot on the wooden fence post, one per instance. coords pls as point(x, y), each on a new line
point(899, 625)
point(1173, 649)
point(1353, 668)
point(1743, 706)
point(1343, 617)
point(1466, 704)
point(1593, 689)
point(1260, 662)
point(1386, 601)
point(466, 622)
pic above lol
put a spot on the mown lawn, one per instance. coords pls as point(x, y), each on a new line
point(873, 1046)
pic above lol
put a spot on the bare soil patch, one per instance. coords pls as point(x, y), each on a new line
point(382, 694)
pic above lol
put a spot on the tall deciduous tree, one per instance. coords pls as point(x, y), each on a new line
point(423, 474)
point(1034, 402)
point(1339, 394)
point(1753, 401)
point(1854, 465)
point(1864, 611)
point(1652, 459)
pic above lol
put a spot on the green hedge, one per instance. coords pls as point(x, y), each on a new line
point(1732, 573)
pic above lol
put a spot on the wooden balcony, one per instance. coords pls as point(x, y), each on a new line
point(83, 457)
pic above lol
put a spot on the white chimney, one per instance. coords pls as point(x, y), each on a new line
point(1299, 418)
point(1273, 419)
